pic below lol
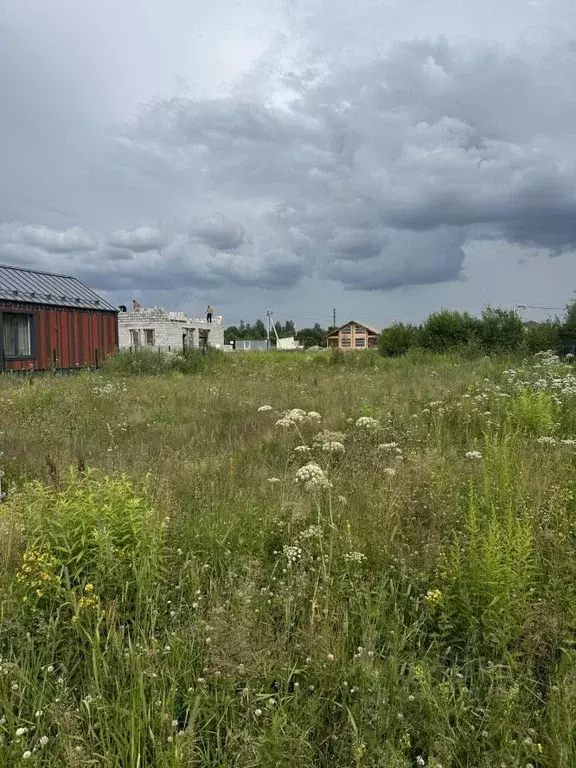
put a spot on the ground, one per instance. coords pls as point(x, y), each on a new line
point(290, 560)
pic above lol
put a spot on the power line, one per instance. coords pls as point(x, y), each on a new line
point(535, 306)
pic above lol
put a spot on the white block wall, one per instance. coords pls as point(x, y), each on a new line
point(169, 328)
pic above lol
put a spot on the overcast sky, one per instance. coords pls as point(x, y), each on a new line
point(381, 158)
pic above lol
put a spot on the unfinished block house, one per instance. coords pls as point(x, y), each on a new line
point(168, 331)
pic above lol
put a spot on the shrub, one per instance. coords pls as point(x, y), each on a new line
point(501, 330)
point(397, 340)
point(447, 329)
point(95, 531)
point(534, 412)
point(540, 337)
point(485, 580)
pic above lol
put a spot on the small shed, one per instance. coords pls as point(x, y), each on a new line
point(51, 321)
point(353, 335)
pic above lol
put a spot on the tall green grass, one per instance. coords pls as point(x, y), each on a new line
point(172, 596)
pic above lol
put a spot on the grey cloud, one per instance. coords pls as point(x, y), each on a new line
point(218, 233)
point(431, 136)
point(354, 149)
point(410, 258)
point(356, 244)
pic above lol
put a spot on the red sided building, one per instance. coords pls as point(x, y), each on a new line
point(50, 321)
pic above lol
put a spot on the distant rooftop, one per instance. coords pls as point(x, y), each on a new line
point(30, 286)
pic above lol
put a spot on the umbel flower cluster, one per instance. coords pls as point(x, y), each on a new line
point(312, 477)
point(297, 416)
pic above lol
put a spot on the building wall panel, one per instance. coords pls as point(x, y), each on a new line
point(64, 338)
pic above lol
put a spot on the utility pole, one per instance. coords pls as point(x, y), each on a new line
point(334, 318)
point(269, 316)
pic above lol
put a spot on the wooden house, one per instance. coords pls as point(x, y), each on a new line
point(353, 335)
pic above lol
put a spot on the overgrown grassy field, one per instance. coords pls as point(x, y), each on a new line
point(193, 573)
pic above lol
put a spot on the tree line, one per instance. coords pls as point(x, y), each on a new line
point(309, 337)
point(496, 330)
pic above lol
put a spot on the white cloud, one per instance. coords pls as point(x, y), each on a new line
point(140, 239)
point(55, 241)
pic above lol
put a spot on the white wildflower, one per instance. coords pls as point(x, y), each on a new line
point(21, 732)
point(473, 455)
point(27, 755)
point(330, 657)
point(354, 557)
point(273, 480)
point(258, 712)
point(327, 436)
point(302, 449)
point(314, 416)
point(44, 740)
point(389, 471)
point(290, 418)
point(312, 532)
point(292, 554)
point(333, 447)
point(367, 422)
point(312, 477)
point(343, 500)
point(264, 408)
point(546, 440)
point(387, 446)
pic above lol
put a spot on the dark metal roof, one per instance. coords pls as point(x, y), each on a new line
point(28, 286)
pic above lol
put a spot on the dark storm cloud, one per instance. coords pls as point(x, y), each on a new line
point(355, 149)
point(433, 136)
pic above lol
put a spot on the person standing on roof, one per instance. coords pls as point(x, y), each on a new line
point(209, 314)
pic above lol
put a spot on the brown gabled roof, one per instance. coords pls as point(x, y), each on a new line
point(363, 325)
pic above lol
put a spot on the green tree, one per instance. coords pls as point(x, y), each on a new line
point(259, 330)
point(448, 329)
point(541, 337)
point(501, 329)
point(312, 337)
point(397, 340)
point(569, 324)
